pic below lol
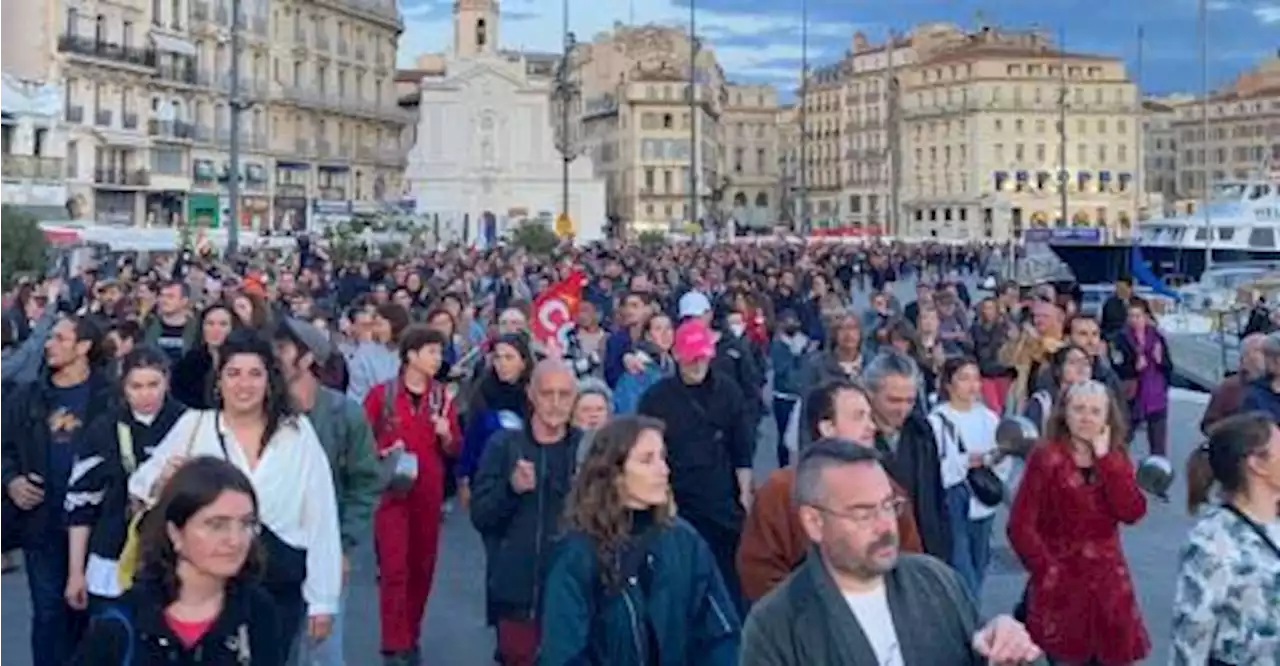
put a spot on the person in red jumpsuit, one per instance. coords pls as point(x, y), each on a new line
point(413, 413)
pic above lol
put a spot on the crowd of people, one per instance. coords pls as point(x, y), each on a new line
point(195, 449)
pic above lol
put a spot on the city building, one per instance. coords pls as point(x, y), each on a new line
point(1244, 131)
point(486, 153)
point(638, 123)
point(147, 102)
point(986, 116)
point(871, 139)
point(823, 153)
point(787, 150)
point(750, 130)
point(34, 147)
point(1160, 154)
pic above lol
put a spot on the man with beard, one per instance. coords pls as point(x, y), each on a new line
point(906, 442)
point(44, 423)
point(856, 600)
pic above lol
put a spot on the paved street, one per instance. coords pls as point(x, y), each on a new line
point(454, 633)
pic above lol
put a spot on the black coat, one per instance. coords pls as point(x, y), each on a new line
point(246, 633)
point(191, 377)
point(24, 448)
point(916, 467)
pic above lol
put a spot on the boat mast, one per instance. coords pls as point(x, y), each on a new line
point(1204, 128)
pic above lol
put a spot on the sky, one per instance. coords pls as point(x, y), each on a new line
point(759, 41)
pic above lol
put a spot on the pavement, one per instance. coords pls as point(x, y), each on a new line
point(454, 632)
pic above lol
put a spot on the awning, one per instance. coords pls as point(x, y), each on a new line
point(176, 45)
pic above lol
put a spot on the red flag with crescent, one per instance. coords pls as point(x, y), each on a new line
point(556, 308)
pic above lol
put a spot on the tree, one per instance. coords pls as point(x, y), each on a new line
point(534, 238)
point(22, 244)
point(652, 240)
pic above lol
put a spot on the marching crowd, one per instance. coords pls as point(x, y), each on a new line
point(194, 449)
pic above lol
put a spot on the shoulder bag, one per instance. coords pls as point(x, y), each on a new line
point(983, 482)
point(131, 552)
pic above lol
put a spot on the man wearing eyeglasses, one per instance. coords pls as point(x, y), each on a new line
point(856, 599)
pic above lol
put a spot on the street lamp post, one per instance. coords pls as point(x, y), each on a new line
point(234, 106)
point(695, 163)
point(565, 94)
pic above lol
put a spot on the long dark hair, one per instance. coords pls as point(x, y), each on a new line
point(1221, 460)
point(194, 486)
point(204, 314)
point(594, 506)
point(277, 405)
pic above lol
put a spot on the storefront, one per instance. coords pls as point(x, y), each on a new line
point(254, 211)
point(290, 214)
point(203, 211)
point(329, 213)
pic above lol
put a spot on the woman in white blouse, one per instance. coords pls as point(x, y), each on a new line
point(965, 431)
point(254, 428)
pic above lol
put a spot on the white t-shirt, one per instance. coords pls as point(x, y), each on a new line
point(872, 612)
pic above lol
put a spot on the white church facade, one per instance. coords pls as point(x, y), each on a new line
point(485, 158)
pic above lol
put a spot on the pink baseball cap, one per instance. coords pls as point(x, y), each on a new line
point(693, 342)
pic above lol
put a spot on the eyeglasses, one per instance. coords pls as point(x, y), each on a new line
point(891, 508)
point(223, 527)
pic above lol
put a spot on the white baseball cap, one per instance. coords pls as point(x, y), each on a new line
point(694, 304)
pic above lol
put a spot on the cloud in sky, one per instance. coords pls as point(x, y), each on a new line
point(761, 40)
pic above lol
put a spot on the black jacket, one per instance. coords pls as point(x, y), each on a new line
point(191, 378)
point(24, 448)
point(97, 495)
point(672, 597)
point(519, 530)
point(709, 435)
point(246, 633)
point(915, 466)
point(735, 359)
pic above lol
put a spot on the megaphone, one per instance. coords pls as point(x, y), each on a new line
point(1016, 435)
point(1155, 476)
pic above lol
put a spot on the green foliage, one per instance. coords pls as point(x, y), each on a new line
point(652, 240)
point(344, 244)
point(22, 245)
point(535, 238)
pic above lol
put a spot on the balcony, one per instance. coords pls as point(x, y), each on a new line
point(171, 129)
point(129, 121)
point(102, 118)
point(33, 168)
point(75, 114)
point(122, 177)
point(179, 73)
point(92, 47)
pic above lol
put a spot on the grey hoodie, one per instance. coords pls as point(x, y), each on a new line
point(370, 364)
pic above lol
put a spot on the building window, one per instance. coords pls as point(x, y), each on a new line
point(480, 33)
point(100, 29)
point(156, 12)
point(175, 19)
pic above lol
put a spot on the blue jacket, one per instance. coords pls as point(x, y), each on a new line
point(1258, 396)
point(617, 346)
point(481, 427)
point(682, 595)
point(787, 367)
point(631, 386)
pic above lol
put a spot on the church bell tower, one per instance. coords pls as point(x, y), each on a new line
point(475, 27)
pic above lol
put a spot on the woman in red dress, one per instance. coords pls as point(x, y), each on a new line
point(1078, 487)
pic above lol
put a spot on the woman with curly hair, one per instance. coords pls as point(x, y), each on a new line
point(632, 584)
